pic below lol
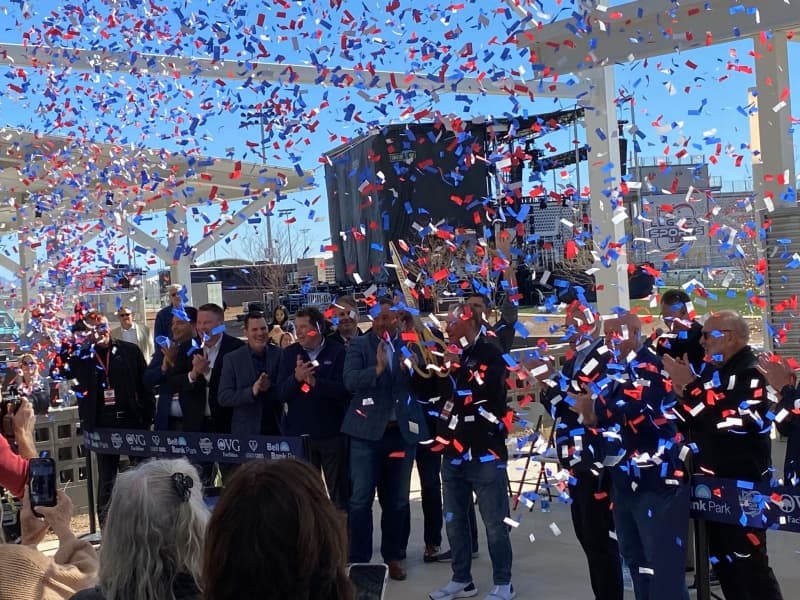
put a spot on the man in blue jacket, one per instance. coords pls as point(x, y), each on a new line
point(384, 423)
point(311, 387)
point(644, 452)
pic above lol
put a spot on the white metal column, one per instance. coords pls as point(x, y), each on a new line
point(607, 208)
point(774, 175)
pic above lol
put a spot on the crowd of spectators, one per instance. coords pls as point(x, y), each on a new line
point(634, 415)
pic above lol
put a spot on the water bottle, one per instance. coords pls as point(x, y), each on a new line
point(545, 505)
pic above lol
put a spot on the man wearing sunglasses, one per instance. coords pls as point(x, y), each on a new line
point(111, 394)
point(163, 323)
point(132, 332)
point(726, 405)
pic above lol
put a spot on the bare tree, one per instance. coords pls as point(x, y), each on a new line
point(271, 269)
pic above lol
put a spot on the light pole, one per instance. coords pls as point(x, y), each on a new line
point(282, 213)
point(258, 112)
point(305, 231)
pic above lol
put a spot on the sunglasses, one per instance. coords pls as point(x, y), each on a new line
point(28, 363)
point(124, 314)
point(715, 333)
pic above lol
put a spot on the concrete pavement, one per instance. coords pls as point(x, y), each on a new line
point(552, 566)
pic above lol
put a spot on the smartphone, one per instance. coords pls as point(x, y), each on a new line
point(369, 579)
point(41, 483)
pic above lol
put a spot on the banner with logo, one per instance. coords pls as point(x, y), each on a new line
point(746, 503)
point(205, 447)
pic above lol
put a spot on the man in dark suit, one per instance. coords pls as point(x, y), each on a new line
point(384, 423)
point(247, 382)
point(195, 373)
point(311, 387)
point(169, 414)
point(111, 394)
point(575, 444)
point(206, 367)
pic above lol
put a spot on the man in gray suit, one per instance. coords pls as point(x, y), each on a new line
point(131, 331)
point(246, 382)
point(384, 422)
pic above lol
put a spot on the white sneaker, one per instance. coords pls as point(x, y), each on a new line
point(502, 592)
point(454, 590)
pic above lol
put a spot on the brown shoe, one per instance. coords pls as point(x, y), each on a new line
point(396, 570)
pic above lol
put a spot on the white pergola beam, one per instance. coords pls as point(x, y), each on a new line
point(231, 224)
point(648, 28)
point(231, 70)
point(148, 241)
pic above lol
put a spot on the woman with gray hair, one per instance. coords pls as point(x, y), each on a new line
point(154, 535)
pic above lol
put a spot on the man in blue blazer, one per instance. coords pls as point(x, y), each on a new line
point(247, 382)
point(384, 422)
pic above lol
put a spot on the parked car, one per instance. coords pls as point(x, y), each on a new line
point(9, 329)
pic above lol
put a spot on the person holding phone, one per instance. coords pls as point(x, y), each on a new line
point(27, 573)
point(14, 465)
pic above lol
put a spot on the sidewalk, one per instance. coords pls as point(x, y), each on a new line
point(551, 567)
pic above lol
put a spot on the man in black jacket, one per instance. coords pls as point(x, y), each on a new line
point(781, 377)
point(727, 406)
point(311, 387)
point(576, 446)
point(684, 331)
point(472, 428)
point(111, 394)
point(195, 376)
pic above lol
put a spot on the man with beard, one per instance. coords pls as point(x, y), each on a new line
point(111, 394)
point(311, 387)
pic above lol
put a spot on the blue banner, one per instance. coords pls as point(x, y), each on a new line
point(746, 503)
point(197, 447)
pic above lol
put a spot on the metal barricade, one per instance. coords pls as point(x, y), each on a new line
point(321, 300)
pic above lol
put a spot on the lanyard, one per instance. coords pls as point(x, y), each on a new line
point(105, 366)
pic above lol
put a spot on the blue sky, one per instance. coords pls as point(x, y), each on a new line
point(693, 95)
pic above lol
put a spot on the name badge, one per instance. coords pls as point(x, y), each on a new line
point(413, 427)
point(367, 402)
point(108, 398)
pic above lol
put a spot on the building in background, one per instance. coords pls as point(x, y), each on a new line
point(315, 270)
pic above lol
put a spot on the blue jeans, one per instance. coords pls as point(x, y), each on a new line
point(651, 531)
point(489, 482)
point(429, 465)
point(371, 468)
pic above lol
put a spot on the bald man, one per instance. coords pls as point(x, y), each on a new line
point(576, 446)
point(644, 456)
point(733, 443)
